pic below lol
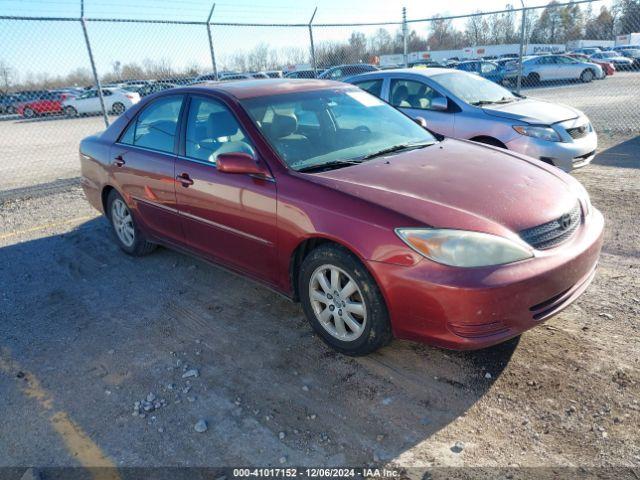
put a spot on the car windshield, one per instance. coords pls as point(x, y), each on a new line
point(335, 127)
point(609, 54)
point(474, 89)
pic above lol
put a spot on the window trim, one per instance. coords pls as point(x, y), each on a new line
point(139, 112)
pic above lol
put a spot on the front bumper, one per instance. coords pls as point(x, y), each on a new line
point(566, 155)
point(475, 308)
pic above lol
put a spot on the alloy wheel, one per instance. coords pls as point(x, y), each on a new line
point(123, 222)
point(337, 302)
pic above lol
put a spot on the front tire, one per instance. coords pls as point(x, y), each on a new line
point(587, 76)
point(71, 111)
point(533, 79)
point(128, 236)
point(28, 113)
point(342, 301)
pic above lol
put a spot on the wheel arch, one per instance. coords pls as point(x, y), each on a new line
point(489, 140)
point(306, 246)
point(104, 195)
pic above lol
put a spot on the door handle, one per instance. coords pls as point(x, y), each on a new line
point(119, 161)
point(184, 179)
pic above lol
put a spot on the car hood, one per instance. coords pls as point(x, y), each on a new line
point(460, 184)
point(532, 111)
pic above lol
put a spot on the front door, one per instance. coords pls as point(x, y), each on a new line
point(88, 102)
point(230, 218)
point(143, 163)
point(414, 98)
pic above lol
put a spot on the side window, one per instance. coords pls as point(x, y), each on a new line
point(211, 130)
point(412, 94)
point(337, 73)
point(106, 93)
point(156, 126)
point(374, 87)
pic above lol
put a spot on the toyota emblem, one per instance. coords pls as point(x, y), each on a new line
point(565, 221)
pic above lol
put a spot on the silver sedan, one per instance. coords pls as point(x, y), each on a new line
point(463, 105)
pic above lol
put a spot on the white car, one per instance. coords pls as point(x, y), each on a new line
point(553, 67)
point(116, 100)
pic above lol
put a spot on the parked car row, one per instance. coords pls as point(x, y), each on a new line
point(585, 64)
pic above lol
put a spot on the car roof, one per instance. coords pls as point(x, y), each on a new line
point(426, 72)
point(244, 89)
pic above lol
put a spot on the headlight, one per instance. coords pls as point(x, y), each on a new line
point(543, 133)
point(461, 248)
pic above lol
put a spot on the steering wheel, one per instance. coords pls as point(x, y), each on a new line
point(362, 128)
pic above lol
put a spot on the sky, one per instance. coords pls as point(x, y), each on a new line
point(31, 47)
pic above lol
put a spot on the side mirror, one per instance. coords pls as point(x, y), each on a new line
point(420, 121)
point(240, 162)
point(439, 103)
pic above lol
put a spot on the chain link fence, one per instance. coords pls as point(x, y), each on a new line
point(578, 53)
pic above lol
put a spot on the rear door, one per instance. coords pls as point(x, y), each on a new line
point(143, 163)
point(229, 218)
point(414, 98)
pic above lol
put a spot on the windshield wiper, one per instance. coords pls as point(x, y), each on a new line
point(395, 148)
point(329, 165)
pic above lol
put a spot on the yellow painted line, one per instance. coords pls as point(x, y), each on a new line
point(44, 226)
point(77, 442)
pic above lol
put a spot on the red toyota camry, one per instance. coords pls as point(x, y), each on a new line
point(334, 198)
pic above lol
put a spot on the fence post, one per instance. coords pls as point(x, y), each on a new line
point(213, 55)
point(522, 37)
point(313, 48)
point(404, 36)
point(93, 64)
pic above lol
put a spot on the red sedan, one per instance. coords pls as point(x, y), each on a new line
point(607, 67)
point(335, 199)
point(45, 103)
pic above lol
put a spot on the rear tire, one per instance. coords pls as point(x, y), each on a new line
point(347, 311)
point(127, 234)
point(118, 108)
point(70, 111)
point(587, 76)
point(28, 113)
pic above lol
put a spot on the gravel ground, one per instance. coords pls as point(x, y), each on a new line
point(87, 331)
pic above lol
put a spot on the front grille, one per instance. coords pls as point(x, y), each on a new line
point(478, 330)
point(541, 309)
point(578, 132)
point(582, 159)
point(555, 232)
